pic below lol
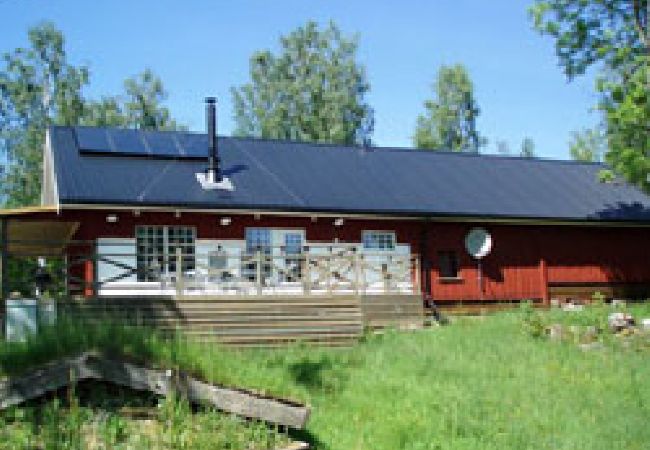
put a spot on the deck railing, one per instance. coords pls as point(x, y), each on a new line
point(261, 273)
point(317, 269)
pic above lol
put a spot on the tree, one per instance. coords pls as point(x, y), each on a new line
point(614, 32)
point(503, 148)
point(312, 90)
point(143, 106)
point(587, 145)
point(39, 88)
point(527, 148)
point(449, 121)
point(626, 105)
point(613, 36)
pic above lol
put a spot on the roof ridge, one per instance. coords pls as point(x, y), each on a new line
point(370, 148)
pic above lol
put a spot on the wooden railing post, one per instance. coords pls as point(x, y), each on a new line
point(179, 272)
point(306, 274)
point(258, 272)
point(357, 273)
point(416, 275)
point(362, 272)
point(330, 275)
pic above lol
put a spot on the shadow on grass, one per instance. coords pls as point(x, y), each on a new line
point(310, 373)
point(308, 437)
point(325, 374)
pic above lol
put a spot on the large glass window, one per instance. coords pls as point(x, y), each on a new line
point(293, 242)
point(258, 240)
point(156, 250)
point(378, 240)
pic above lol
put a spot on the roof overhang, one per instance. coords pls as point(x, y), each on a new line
point(39, 237)
point(363, 215)
point(17, 212)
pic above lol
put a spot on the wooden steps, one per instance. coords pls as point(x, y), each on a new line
point(268, 321)
point(400, 311)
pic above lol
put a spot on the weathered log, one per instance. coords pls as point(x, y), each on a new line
point(243, 403)
point(93, 366)
point(37, 383)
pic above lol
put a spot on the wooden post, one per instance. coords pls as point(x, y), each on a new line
point(357, 273)
point(4, 272)
point(417, 288)
point(306, 274)
point(258, 272)
point(179, 272)
point(89, 276)
point(384, 276)
point(543, 280)
point(329, 272)
point(362, 273)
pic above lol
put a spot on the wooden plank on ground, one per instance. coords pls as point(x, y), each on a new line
point(93, 366)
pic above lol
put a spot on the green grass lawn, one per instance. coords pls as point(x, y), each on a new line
point(479, 383)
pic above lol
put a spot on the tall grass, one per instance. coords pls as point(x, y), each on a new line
point(479, 383)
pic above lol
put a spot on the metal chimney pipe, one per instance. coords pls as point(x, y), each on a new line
point(213, 172)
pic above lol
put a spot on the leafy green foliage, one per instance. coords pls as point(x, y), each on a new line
point(626, 104)
point(449, 121)
point(587, 145)
point(312, 90)
point(502, 147)
point(589, 31)
point(612, 35)
point(527, 148)
point(39, 88)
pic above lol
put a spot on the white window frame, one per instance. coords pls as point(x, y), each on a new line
point(189, 257)
point(380, 248)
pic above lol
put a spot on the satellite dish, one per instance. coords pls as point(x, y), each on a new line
point(478, 243)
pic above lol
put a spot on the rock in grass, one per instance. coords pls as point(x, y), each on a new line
point(591, 346)
point(645, 324)
point(619, 321)
point(555, 332)
point(572, 307)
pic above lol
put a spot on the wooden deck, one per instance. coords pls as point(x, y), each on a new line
point(256, 321)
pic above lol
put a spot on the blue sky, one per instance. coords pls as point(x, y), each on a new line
point(201, 48)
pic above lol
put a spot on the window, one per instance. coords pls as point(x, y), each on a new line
point(293, 262)
point(448, 264)
point(378, 240)
point(258, 240)
point(156, 250)
point(293, 243)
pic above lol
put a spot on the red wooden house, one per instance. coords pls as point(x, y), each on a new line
point(174, 213)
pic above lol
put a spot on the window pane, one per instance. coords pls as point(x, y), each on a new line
point(378, 240)
point(156, 247)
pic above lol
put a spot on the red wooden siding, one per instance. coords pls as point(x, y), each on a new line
point(525, 260)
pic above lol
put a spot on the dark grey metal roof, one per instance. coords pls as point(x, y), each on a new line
point(292, 176)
